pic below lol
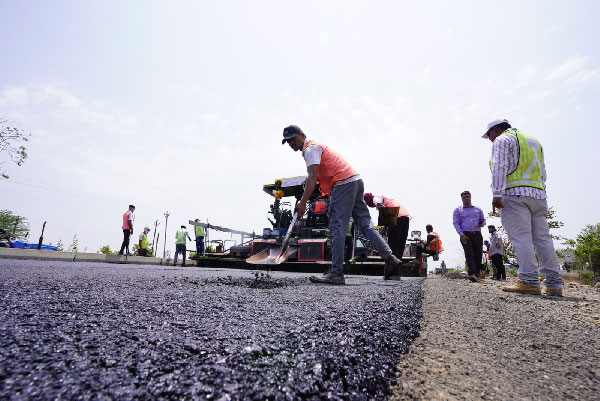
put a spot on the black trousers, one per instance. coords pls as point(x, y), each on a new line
point(397, 236)
point(125, 244)
point(473, 251)
point(500, 270)
point(180, 248)
point(421, 250)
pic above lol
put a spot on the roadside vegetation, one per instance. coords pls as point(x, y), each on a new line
point(10, 150)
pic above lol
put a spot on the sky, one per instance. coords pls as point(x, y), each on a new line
point(179, 106)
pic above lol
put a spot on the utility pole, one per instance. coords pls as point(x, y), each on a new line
point(166, 222)
point(154, 240)
point(41, 237)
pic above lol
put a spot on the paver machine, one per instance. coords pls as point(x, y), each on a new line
point(308, 239)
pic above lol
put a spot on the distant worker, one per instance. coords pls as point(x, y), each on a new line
point(396, 234)
point(519, 190)
point(468, 220)
point(432, 245)
point(345, 187)
point(200, 233)
point(181, 238)
point(127, 229)
point(443, 267)
point(496, 250)
point(143, 245)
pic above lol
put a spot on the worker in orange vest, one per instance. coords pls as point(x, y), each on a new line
point(396, 234)
point(127, 229)
point(433, 244)
point(343, 185)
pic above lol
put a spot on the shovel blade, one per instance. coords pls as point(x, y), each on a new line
point(270, 256)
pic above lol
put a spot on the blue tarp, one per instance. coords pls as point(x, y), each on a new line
point(23, 245)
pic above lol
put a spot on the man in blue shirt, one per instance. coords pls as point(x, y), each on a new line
point(468, 220)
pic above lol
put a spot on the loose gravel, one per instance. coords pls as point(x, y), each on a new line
point(478, 342)
point(97, 331)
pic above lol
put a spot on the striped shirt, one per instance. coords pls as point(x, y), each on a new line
point(505, 157)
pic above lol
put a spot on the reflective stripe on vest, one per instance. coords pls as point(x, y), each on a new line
point(333, 168)
point(389, 202)
point(435, 244)
point(180, 238)
point(199, 231)
point(144, 241)
point(529, 168)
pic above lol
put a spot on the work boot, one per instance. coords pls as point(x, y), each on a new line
point(556, 292)
point(473, 278)
point(395, 277)
point(328, 278)
point(390, 266)
point(522, 288)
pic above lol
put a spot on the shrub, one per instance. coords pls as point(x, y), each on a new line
point(512, 272)
point(106, 250)
point(588, 278)
point(454, 271)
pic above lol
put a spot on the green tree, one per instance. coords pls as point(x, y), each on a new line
point(9, 138)
point(60, 246)
point(16, 226)
point(586, 248)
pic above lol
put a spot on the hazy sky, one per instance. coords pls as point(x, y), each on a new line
point(180, 106)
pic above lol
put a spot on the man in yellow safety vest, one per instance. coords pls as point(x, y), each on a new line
point(180, 244)
point(200, 233)
point(519, 190)
point(143, 245)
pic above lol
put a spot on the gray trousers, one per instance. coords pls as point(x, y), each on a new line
point(524, 219)
point(347, 201)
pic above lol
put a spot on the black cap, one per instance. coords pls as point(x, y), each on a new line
point(289, 132)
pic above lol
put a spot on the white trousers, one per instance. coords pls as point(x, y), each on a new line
point(524, 219)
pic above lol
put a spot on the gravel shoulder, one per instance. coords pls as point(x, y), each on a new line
point(478, 342)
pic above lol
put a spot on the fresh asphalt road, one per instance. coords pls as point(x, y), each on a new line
point(99, 331)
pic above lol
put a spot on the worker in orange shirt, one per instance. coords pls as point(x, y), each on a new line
point(432, 245)
point(343, 184)
point(396, 234)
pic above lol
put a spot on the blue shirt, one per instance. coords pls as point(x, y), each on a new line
point(467, 219)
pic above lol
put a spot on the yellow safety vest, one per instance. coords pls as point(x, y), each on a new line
point(529, 168)
point(199, 231)
point(144, 241)
point(180, 237)
point(528, 172)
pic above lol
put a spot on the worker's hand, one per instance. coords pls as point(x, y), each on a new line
point(464, 239)
point(497, 203)
point(131, 231)
point(300, 209)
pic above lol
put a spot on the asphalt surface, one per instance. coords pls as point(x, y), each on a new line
point(99, 331)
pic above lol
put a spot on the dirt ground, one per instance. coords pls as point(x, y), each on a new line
point(478, 342)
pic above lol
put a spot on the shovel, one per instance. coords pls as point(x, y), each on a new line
point(276, 255)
